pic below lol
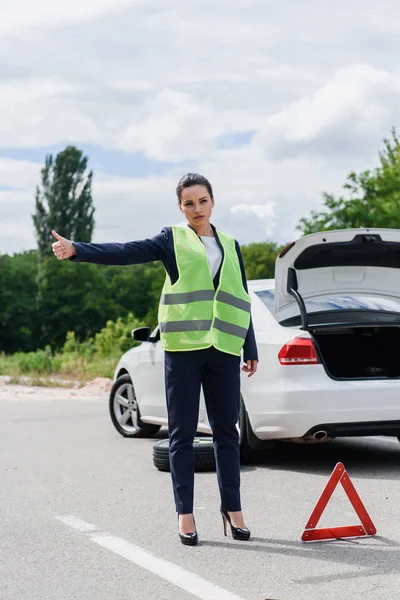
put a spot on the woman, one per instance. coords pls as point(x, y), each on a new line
point(205, 322)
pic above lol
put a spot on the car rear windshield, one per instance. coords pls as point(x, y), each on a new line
point(336, 303)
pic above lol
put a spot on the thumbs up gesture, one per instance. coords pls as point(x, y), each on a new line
point(63, 248)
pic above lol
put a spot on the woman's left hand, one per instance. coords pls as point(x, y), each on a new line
point(250, 367)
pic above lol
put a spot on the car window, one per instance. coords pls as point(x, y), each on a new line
point(349, 302)
point(268, 297)
point(353, 302)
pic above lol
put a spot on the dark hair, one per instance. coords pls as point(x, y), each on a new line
point(191, 179)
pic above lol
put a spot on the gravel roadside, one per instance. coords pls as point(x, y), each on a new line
point(97, 388)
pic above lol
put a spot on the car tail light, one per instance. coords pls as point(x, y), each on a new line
point(299, 351)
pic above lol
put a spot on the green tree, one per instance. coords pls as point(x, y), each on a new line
point(64, 200)
point(374, 197)
point(259, 260)
point(18, 315)
point(136, 288)
point(73, 297)
point(155, 274)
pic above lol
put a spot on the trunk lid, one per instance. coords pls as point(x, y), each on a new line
point(351, 262)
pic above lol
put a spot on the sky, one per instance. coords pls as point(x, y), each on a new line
point(275, 103)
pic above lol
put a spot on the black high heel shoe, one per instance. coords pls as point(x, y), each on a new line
point(238, 533)
point(189, 539)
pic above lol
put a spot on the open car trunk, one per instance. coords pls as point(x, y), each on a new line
point(361, 263)
point(361, 352)
point(343, 287)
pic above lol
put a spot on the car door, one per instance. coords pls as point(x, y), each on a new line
point(150, 387)
point(149, 378)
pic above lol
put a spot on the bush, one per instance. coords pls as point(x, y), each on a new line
point(41, 361)
point(72, 346)
point(116, 337)
point(84, 360)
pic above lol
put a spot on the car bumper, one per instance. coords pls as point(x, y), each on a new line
point(300, 398)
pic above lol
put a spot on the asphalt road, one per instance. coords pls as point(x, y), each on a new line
point(85, 515)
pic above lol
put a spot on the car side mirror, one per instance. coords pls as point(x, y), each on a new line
point(141, 334)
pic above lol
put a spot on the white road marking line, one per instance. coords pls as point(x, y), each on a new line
point(77, 523)
point(186, 580)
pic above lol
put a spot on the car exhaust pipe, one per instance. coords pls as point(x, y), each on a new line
point(317, 435)
point(320, 435)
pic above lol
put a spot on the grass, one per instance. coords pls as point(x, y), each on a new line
point(60, 370)
point(77, 361)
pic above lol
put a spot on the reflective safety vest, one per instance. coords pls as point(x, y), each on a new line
point(192, 314)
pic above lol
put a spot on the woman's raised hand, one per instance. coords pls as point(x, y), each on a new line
point(63, 248)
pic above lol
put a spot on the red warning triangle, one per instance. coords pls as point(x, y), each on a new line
point(367, 527)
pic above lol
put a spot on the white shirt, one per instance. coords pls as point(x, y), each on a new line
point(214, 253)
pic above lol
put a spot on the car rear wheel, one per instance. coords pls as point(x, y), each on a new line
point(125, 413)
point(204, 459)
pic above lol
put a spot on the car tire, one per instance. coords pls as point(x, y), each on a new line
point(123, 399)
point(204, 459)
point(247, 454)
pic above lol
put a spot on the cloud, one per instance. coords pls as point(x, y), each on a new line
point(18, 15)
point(346, 96)
point(176, 128)
point(274, 103)
point(31, 113)
point(19, 175)
point(263, 212)
point(357, 102)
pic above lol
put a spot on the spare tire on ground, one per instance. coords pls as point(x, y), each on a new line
point(204, 459)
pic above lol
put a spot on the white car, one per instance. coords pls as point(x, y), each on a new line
point(328, 333)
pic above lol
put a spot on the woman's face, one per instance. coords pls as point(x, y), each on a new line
point(196, 204)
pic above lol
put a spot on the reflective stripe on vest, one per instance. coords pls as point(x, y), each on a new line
point(186, 297)
point(229, 328)
point(174, 326)
point(233, 301)
point(192, 315)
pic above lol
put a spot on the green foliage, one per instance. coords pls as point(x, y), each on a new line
point(83, 297)
point(116, 337)
point(80, 297)
point(259, 260)
point(136, 288)
point(72, 346)
point(18, 315)
point(41, 361)
point(72, 296)
point(155, 274)
point(374, 197)
point(64, 200)
point(77, 357)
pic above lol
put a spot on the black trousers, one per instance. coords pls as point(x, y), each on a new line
point(219, 374)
